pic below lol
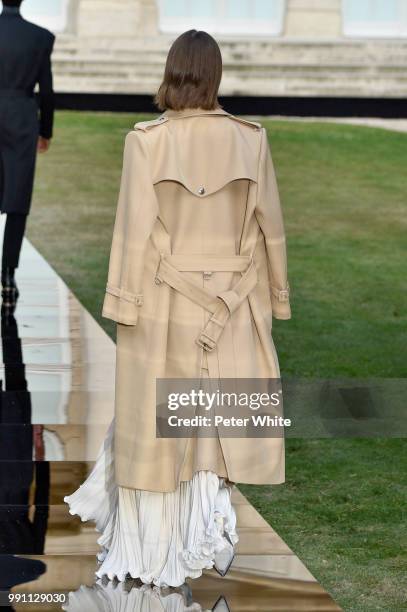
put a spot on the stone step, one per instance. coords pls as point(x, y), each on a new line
point(281, 51)
point(153, 58)
point(138, 62)
point(86, 67)
point(136, 71)
point(162, 41)
point(239, 87)
point(325, 77)
point(92, 54)
point(97, 86)
point(118, 75)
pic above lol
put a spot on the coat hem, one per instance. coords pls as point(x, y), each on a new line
point(147, 486)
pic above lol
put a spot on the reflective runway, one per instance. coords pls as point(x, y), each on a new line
point(56, 402)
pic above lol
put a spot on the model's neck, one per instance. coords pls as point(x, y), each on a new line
point(11, 10)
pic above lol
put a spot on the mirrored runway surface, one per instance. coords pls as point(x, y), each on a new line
point(56, 402)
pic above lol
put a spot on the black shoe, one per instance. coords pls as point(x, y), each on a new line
point(9, 291)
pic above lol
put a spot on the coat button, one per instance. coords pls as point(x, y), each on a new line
point(201, 190)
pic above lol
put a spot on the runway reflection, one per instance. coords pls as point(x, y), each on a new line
point(15, 571)
point(20, 531)
point(114, 596)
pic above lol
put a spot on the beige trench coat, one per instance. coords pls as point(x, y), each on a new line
point(199, 192)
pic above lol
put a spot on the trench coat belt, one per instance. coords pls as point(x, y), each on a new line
point(222, 305)
point(16, 93)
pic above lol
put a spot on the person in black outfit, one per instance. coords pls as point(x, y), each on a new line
point(25, 60)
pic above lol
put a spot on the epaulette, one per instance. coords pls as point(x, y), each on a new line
point(253, 124)
point(146, 125)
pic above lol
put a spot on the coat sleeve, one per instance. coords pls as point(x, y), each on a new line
point(137, 210)
point(269, 216)
point(46, 95)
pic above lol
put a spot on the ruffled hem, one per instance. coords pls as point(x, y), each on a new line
point(160, 538)
point(116, 596)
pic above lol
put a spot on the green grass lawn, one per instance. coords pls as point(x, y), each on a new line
point(344, 196)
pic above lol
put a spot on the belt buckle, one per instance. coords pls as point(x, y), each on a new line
point(206, 342)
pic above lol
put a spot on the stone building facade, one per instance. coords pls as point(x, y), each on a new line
point(270, 47)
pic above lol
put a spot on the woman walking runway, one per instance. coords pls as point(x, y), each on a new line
point(197, 271)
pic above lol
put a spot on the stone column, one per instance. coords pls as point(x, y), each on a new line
point(109, 18)
point(72, 17)
point(316, 19)
point(149, 17)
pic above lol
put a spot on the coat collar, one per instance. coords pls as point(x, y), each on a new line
point(192, 112)
point(11, 11)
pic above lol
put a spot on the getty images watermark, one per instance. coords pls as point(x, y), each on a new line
point(239, 408)
point(313, 408)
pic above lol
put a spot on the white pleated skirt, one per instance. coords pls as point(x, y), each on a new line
point(160, 538)
point(114, 597)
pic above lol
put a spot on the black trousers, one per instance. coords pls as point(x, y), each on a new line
point(13, 238)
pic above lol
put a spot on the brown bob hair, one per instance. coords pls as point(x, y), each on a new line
point(192, 75)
